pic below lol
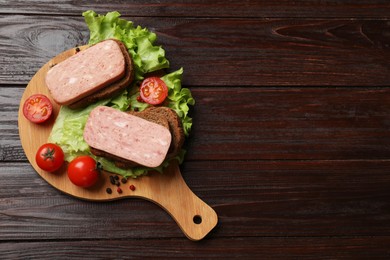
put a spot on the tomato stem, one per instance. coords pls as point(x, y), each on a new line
point(49, 154)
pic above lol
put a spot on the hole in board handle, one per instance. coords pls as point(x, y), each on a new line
point(197, 219)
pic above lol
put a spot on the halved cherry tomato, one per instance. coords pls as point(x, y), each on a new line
point(37, 108)
point(153, 90)
point(83, 171)
point(49, 157)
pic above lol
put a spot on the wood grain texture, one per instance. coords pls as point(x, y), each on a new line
point(264, 123)
point(252, 199)
point(234, 52)
point(290, 142)
point(290, 123)
point(243, 248)
point(198, 8)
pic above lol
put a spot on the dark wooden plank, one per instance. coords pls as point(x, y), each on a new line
point(264, 123)
point(248, 248)
point(252, 199)
point(197, 8)
point(223, 52)
point(10, 145)
point(290, 123)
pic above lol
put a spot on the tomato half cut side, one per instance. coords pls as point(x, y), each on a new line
point(153, 90)
point(37, 108)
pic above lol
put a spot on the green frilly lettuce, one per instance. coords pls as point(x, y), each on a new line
point(69, 125)
point(139, 41)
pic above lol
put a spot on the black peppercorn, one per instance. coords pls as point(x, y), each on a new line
point(112, 180)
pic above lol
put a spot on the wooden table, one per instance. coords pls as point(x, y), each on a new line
point(291, 136)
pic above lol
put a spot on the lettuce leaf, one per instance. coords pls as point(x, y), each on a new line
point(139, 41)
point(69, 125)
point(179, 98)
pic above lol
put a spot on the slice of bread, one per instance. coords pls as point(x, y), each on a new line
point(175, 127)
point(152, 117)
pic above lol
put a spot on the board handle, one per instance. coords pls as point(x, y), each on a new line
point(195, 218)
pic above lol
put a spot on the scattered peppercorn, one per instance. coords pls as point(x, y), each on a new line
point(124, 180)
point(116, 177)
point(77, 49)
point(112, 180)
point(132, 187)
point(108, 190)
point(119, 190)
point(136, 109)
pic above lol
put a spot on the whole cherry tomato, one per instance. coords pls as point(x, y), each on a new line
point(83, 171)
point(37, 108)
point(153, 90)
point(49, 157)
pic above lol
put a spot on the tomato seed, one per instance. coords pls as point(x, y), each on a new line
point(119, 190)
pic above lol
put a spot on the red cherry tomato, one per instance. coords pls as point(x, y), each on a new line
point(153, 90)
point(49, 157)
point(83, 171)
point(37, 108)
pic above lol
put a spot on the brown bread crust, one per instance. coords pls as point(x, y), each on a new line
point(113, 89)
point(175, 127)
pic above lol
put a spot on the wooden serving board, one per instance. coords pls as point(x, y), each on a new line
point(168, 190)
